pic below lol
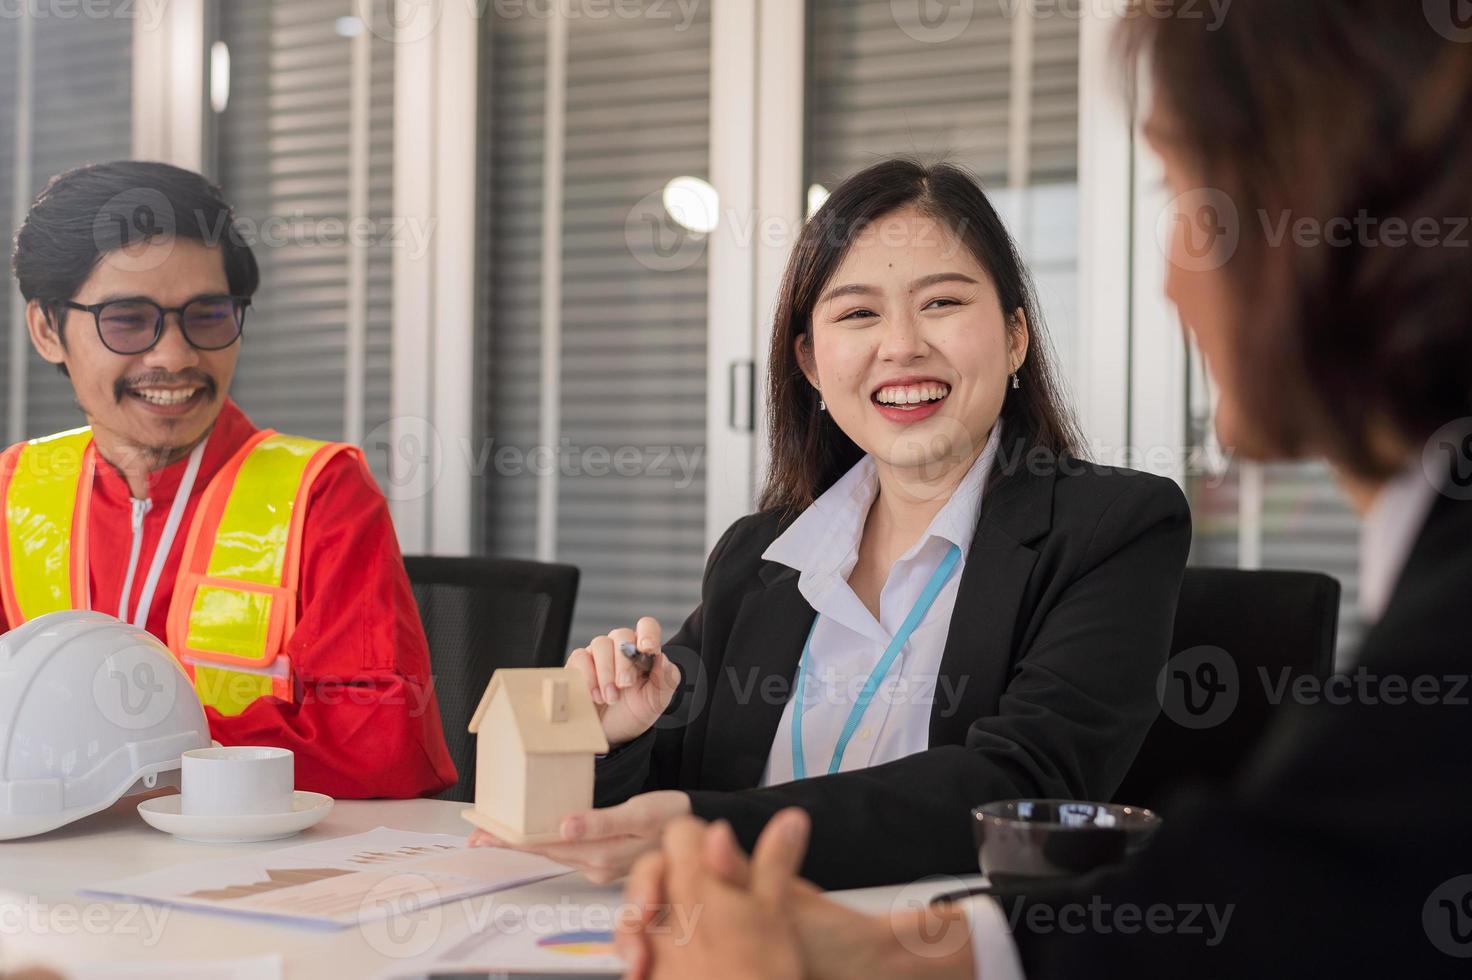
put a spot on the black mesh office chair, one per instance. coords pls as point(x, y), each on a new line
point(1255, 624)
point(480, 614)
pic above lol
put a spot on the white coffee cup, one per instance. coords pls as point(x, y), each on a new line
point(237, 780)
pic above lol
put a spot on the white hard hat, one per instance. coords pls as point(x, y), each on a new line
point(90, 710)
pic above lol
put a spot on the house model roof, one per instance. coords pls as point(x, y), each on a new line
point(553, 710)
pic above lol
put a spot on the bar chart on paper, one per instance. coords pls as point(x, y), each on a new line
point(407, 852)
point(340, 882)
point(525, 949)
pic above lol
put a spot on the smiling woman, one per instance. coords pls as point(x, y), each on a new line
point(904, 219)
point(938, 606)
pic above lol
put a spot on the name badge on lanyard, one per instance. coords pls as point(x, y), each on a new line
point(881, 669)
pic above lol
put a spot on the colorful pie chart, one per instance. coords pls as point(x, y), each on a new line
point(579, 943)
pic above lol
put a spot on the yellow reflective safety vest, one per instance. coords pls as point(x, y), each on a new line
point(234, 605)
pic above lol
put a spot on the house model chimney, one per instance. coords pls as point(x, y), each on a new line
point(554, 700)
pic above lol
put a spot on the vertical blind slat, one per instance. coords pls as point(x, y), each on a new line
point(82, 113)
point(633, 330)
point(284, 151)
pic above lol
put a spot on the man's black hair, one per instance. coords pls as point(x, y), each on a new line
point(85, 213)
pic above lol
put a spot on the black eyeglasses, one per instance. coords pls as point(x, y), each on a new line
point(135, 326)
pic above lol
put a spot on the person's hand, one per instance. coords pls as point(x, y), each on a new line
point(603, 844)
point(832, 939)
point(628, 700)
point(687, 921)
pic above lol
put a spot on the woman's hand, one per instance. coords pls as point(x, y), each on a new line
point(628, 699)
point(604, 844)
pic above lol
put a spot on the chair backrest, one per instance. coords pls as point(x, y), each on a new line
point(1241, 638)
point(481, 614)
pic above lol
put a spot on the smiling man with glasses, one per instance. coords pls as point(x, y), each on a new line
point(266, 562)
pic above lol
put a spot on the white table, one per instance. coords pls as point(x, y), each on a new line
point(47, 872)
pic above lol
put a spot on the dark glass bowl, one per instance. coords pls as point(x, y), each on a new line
point(1049, 838)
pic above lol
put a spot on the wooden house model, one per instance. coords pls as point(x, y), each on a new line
point(537, 732)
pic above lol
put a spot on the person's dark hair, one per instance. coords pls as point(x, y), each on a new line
point(85, 213)
point(809, 452)
point(1343, 111)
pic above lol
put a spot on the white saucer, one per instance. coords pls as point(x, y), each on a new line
point(163, 813)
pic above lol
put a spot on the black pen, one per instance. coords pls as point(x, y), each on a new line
point(644, 661)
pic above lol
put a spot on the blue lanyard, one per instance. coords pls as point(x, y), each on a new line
point(881, 669)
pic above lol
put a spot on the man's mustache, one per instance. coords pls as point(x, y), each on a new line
point(162, 379)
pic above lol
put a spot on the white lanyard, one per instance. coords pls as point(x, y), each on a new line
point(165, 542)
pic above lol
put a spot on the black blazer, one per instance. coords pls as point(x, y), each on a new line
point(1062, 621)
point(1339, 849)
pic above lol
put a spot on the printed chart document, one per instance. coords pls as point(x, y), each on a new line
point(341, 882)
point(567, 953)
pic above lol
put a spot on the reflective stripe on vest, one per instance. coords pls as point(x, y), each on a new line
point(234, 603)
point(44, 517)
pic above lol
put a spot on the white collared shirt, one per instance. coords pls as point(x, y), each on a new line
point(847, 642)
point(1387, 534)
point(1389, 531)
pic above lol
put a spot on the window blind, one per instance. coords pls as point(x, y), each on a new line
point(877, 90)
point(633, 331)
point(378, 345)
point(284, 158)
point(9, 67)
point(512, 109)
point(82, 87)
